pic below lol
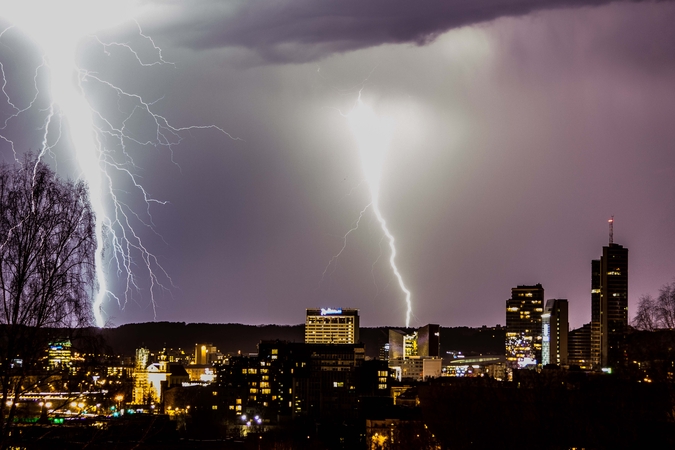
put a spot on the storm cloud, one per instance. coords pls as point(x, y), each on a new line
point(293, 31)
point(520, 130)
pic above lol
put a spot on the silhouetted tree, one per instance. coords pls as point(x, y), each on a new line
point(659, 312)
point(47, 247)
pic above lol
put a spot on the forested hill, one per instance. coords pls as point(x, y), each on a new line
point(232, 338)
point(227, 337)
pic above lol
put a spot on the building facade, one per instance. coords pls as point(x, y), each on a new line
point(332, 326)
point(59, 354)
point(579, 347)
point(429, 340)
point(523, 325)
point(424, 342)
point(609, 306)
point(555, 327)
point(295, 379)
point(418, 368)
point(206, 354)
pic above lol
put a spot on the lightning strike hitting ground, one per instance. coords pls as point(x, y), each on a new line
point(373, 136)
point(100, 144)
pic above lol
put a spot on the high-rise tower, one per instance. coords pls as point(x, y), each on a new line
point(523, 325)
point(609, 305)
point(555, 327)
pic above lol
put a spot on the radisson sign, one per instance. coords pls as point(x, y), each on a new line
point(330, 311)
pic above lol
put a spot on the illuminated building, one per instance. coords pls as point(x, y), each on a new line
point(206, 354)
point(200, 369)
point(595, 313)
point(174, 355)
point(579, 347)
point(151, 379)
point(384, 352)
point(523, 325)
point(201, 374)
point(156, 375)
point(59, 354)
point(287, 379)
point(555, 326)
point(609, 305)
point(419, 368)
point(415, 355)
point(326, 380)
point(140, 391)
point(401, 345)
point(332, 326)
point(425, 342)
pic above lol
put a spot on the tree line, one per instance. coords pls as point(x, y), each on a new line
point(658, 312)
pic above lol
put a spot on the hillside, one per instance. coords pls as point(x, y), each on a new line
point(234, 338)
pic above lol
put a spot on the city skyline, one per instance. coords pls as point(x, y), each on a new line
point(518, 134)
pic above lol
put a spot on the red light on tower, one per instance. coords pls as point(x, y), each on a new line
point(611, 230)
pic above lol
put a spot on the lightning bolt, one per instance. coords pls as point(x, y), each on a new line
point(101, 145)
point(373, 136)
point(344, 242)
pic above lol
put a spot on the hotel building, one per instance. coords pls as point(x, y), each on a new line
point(332, 326)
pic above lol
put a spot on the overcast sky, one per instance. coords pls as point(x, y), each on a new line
point(520, 128)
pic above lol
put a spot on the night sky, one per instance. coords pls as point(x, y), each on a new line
point(520, 128)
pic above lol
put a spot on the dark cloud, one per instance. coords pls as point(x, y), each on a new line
point(516, 141)
point(305, 30)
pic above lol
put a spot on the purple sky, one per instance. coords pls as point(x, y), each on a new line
point(519, 131)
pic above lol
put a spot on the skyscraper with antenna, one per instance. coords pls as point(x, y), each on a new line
point(609, 304)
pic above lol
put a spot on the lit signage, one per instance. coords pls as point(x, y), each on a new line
point(330, 311)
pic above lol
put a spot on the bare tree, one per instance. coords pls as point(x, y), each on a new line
point(659, 312)
point(47, 246)
point(645, 318)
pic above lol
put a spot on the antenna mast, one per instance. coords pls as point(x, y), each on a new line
point(611, 230)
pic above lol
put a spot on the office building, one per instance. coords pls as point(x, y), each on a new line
point(609, 305)
point(415, 355)
point(579, 347)
point(141, 389)
point(429, 340)
point(424, 342)
point(418, 368)
point(286, 379)
point(59, 354)
point(332, 326)
point(206, 354)
point(555, 326)
point(523, 325)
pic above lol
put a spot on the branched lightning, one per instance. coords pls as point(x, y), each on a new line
point(392, 260)
point(373, 135)
point(344, 242)
point(100, 144)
